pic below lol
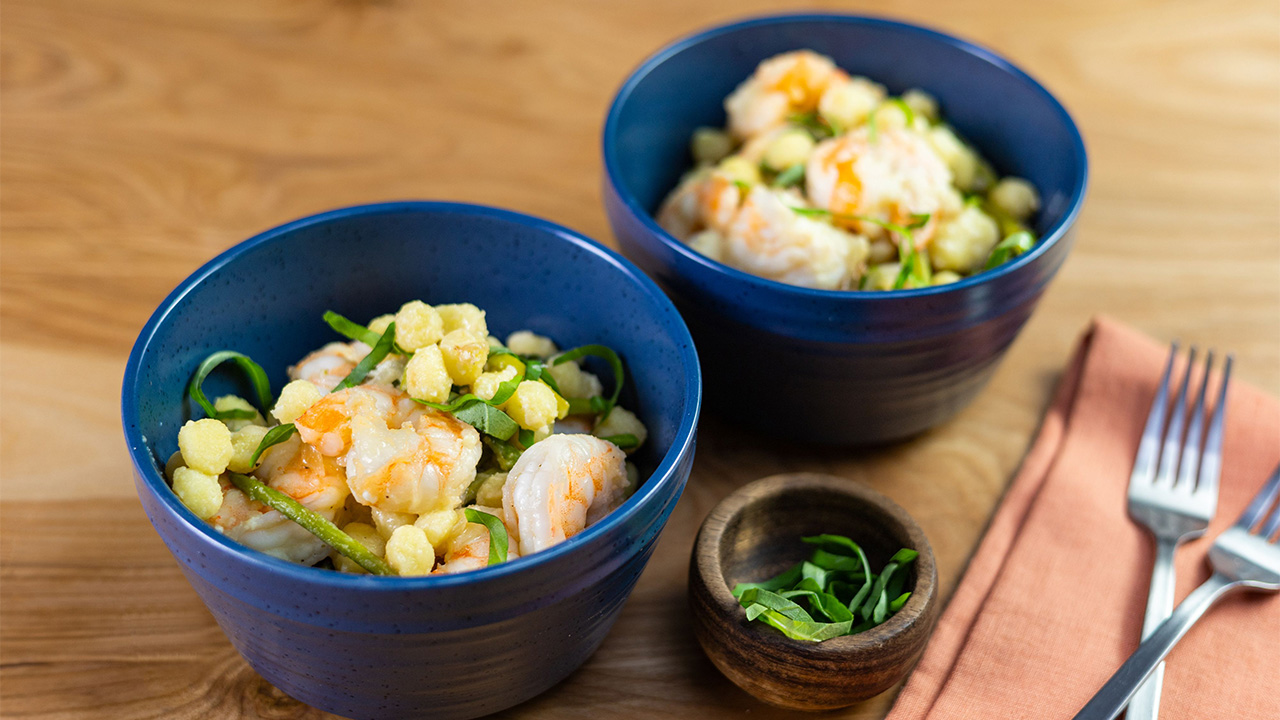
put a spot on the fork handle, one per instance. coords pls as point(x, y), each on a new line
point(1145, 704)
point(1113, 696)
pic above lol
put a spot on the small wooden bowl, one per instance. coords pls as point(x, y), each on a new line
point(755, 534)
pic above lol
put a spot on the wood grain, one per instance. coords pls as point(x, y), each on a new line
point(754, 534)
point(141, 137)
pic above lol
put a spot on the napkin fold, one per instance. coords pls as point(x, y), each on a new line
point(1053, 598)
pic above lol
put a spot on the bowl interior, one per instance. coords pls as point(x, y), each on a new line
point(265, 298)
point(763, 538)
point(1009, 117)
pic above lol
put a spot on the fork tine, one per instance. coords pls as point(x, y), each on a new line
point(1173, 432)
point(1144, 466)
point(1211, 461)
point(1190, 461)
point(1274, 525)
point(1266, 495)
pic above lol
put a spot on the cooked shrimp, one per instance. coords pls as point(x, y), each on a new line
point(781, 86)
point(327, 423)
point(301, 472)
point(560, 486)
point(424, 465)
point(469, 549)
point(892, 177)
point(328, 366)
point(768, 238)
point(707, 199)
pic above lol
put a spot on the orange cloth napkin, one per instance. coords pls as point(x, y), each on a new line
point(1052, 601)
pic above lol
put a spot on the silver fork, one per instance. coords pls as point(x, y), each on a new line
point(1174, 495)
point(1243, 556)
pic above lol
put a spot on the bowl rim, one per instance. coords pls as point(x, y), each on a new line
point(754, 282)
point(920, 607)
point(653, 490)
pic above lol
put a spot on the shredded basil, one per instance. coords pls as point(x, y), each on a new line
point(355, 331)
point(488, 420)
point(800, 630)
point(822, 602)
point(837, 588)
point(257, 378)
point(788, 617)
point(793, 175)
point(350, 329)
point(873, 129)
point(587, 406)
point(610, 357)
point(1009, 248)
point(787, 579)
point(497, 533)
point(380, 350)
point(469, 496)
point(274, 436)
point(314, 523)
point(504, 452)
point(625, 441)
point(819, 127)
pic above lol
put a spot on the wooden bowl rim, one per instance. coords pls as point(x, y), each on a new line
point(708, 566)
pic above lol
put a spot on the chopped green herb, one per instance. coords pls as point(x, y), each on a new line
point(810, 571)
point(1009, 248)
point(837, 586)
point(626, 441)
point(469, 496)
point(825, 603)
point(800, 629)
point(786, 579)
point(488, 420)
point(274, 436)
point(537, 371)
point(793, 175)
point(775, 602)
point(917, 221)
point(350, 329)
point(587, 406)
point(504, 453)
point(355, 331)
point(610, 357)
point(873, 129)
point(831, 561)
point(527, 438)
point(819, 127)
point(314, 523)
point(907, 112)
point(257, 378)
point(497, 533)
point(380, 350)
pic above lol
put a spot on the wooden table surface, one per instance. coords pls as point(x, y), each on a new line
point(141, 137)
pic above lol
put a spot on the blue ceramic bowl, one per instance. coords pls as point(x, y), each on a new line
point(442, 647)
point(853, 367)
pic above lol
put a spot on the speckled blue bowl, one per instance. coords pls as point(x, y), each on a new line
point(441, 647)
point(850, 367)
